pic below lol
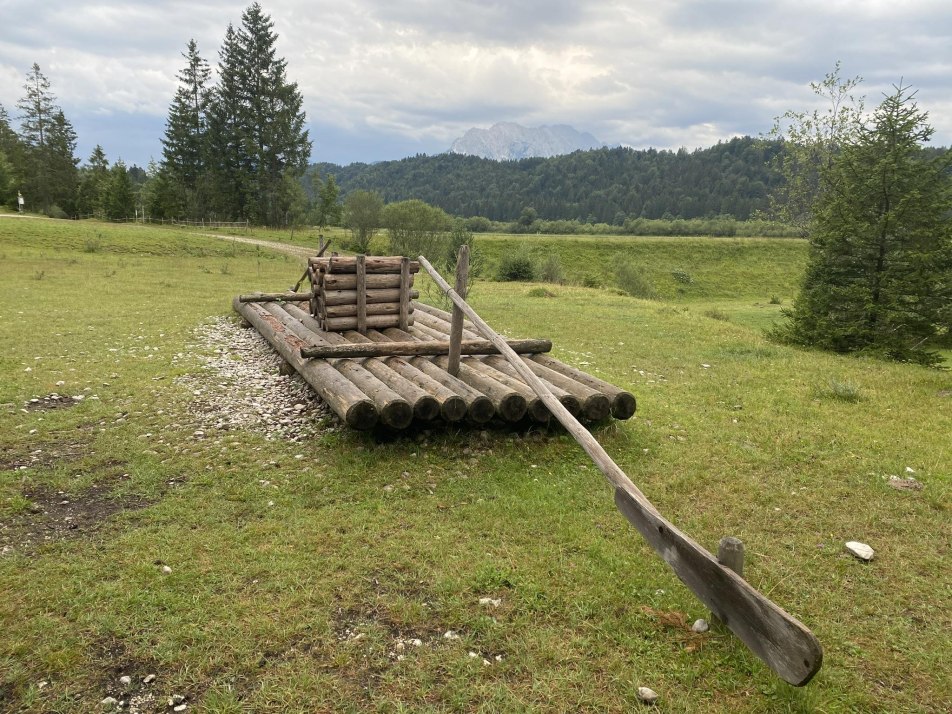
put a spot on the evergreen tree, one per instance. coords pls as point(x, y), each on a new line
point(328, 209)
point(184, 144)
point(119, 199)
point(226, 145)
point(11, 151)
point(256, 125)
point(879, 277)
point(49, 141)
point(92, 184)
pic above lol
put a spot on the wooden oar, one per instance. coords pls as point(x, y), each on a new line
point(780, 640)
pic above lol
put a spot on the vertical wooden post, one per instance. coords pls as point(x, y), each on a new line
point(404, 293)
point(730, 553)
point(361, 294)
point(456, 325)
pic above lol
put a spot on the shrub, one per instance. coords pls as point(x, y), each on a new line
point(632, 279)
point(775, 300)
point(516, 266)
point(592, 280)
point(540, 292)
point(550, 270)
point(92, 245)
point(682, 276)
point(717, 314)
point(839, 391)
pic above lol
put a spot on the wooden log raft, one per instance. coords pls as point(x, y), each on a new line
point(415, 348)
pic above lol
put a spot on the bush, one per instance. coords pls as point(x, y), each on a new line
point(682, 276)
point(775, 300)
point(550, 270)
point(632, 279)
point(717, 314)
point(592, 280)
point(839, 391)
point(55, 211)
point(540, 292)
point(516, 266)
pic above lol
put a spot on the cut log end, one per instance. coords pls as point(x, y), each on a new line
point(624, 405)
point(453, 409)
point(481, 410)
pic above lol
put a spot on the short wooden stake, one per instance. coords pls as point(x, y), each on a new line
point(730, 553)
point(361, 295)
point(456, 325)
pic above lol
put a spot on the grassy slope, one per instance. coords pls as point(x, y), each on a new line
point(257, 610)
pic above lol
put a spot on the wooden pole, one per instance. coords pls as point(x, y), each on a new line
point(405, 284)
point(777, 638)
point(361, 294)
point(411, 349)
point(730, 554)
point(456, 326)
point(275, 297)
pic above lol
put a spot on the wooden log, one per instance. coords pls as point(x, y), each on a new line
point(417, 348)
point(777, 638)
point(348, 281)
point(456, 325)
point(339, 324)
point(569, 401)
point(405, 283)
point(394, 410)
point(450, 405)
point(272, 297)
point(479, 408)
point(596, 406)
point(346, 400)
point(380, 308)
point(508, 402)
point(424, 404)
point(349, 297)
point(535, 408)
point(372, 264)
point(623, 402)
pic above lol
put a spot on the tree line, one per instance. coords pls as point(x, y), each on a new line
point(608, 185)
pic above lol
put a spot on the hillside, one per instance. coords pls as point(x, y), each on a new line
point(603, 185)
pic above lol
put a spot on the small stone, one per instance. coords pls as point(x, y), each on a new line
point(450, 635)
point(166, 570)
point(180, 708)
point(110, 702)
point(125, 680)
point(860, 550)
point(647, 696)
point(472, 655)
point(176, 699)
point(494, 602)
point(700, 626)
point(416, 642)
point(43, 685)
point(148, 679)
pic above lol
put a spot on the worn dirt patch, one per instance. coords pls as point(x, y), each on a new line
point(50, 402)
point(46, 457)
point(58, 515)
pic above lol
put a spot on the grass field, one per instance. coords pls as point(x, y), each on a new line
point(328, 582)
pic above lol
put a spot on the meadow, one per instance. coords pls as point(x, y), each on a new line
point(451, 569)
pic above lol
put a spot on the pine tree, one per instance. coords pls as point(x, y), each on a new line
point(92, 184)
point(328, 209)
point(879, 277)
point(227, 163)
point(256, 124)
point(119, 198)
point(49, 141)
point(184, 146)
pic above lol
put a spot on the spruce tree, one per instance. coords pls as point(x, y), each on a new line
point(49, 147)
point(879, 278)
point(119, 197)
point(184, 147)
point(256, 124)
point(92, 184)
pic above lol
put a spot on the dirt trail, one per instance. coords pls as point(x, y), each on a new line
point(299, 251)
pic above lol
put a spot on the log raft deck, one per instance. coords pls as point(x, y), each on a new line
point(392, 376)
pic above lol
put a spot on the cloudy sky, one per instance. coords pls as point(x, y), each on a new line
point(384, 79)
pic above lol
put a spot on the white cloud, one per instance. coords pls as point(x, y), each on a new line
point(423, 71)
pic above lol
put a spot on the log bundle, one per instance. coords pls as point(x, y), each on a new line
point(399, 375)
point(362, 292)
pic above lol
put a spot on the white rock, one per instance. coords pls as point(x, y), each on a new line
point(110, 702)
point(646, 695)
point(125, 679)
point(450, 635)
point(148, 679)
point(166, 570)
point(860, 550)
point(416, 642)
point(180, 708)
point(700, 625)
point(494, 602)
point(176, 699)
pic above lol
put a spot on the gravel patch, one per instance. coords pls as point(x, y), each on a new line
point(240, 387)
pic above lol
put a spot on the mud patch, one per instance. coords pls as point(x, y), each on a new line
point(144, 692)
point(57, 515)
point(50, 402)
point(47, 457)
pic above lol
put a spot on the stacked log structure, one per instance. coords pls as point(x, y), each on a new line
point(362, 292)
point(400, 375)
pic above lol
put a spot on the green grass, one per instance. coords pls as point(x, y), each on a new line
point(301, 606)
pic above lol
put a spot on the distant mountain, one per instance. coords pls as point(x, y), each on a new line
point(506, 141)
